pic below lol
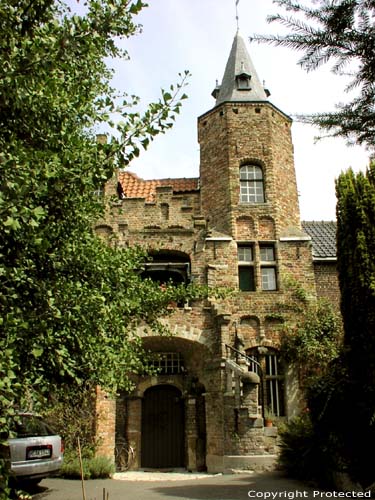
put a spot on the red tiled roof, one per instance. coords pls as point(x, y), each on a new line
point(135, 187)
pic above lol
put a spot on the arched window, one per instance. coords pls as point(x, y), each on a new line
point(272, 397)
point(251, 184)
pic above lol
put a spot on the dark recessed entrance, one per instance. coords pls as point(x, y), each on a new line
point(162, 428)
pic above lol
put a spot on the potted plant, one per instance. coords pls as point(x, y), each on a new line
point(268, 417)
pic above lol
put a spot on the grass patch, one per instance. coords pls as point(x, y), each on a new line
point(93, 468)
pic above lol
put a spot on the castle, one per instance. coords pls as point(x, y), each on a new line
point(236, 226)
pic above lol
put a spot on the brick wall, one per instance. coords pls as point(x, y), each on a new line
point(327, 282)
point(105, 423)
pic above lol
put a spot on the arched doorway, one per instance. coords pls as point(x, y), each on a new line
point(162, 427)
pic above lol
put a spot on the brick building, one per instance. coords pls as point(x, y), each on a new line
point(236, 226)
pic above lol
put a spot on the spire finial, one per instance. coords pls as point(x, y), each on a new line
point(238, 26)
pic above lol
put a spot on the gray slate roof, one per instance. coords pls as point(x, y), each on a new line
point(240, 63)
point(323, 238)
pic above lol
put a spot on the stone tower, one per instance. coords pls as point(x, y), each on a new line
point(247, 168)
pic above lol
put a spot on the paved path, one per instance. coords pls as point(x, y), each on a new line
point(169, 486)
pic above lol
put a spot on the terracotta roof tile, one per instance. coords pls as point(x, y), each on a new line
point(136, 187)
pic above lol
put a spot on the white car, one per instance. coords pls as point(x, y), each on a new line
point(36, 452)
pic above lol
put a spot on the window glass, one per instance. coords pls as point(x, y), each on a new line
point(246, 278)
point(272, 397)
point(246, 268)
point(167, 363)
point(251, 172)
point(251, 184)
point(267, 254)
point(245, 254)
point(267, 272)
point(31, 426)
point(268, 275)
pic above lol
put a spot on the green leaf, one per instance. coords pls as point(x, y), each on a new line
point(37, 352)
point(39, 212)
point(12, 223)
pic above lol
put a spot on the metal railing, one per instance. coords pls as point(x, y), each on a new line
point(251, 361)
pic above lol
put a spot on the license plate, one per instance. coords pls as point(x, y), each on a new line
point(35, 452)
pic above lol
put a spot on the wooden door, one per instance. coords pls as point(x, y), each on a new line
point(162, 428)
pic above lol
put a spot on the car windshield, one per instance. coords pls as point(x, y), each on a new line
point(31, 426)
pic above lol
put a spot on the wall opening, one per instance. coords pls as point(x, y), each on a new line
point(163, 443)
point(167, 266)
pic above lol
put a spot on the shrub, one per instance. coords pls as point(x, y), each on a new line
point(298, 450)
point(93, 468)
point(101, 467)
point(71, 468)
point(72, 415)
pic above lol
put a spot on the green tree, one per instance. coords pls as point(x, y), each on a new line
point(342, 400)
point(356, 266)
point(69, 302)
point(343, 32)
point(313, 342)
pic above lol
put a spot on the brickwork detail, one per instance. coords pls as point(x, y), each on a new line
point(222, 402)
point(105, 424)
point(327, 282)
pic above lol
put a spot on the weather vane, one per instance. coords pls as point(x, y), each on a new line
point(237, 1)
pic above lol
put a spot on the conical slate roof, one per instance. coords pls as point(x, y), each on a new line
point(240, 80)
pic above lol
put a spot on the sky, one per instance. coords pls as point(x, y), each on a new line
point(197, 35)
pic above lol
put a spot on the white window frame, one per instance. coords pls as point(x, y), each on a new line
point(251, 184)
point(268, 267)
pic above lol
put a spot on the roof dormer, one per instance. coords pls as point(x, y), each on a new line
point(240, 81)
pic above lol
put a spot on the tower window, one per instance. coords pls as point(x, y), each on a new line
point(268, 267)
point(246, 268)
point(251, 184)
point(243, 82)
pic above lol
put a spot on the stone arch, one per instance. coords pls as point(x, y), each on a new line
point(245, 229)
point(153, 381)
point(272, 328)
point(191, 383)
point(104, 231)
point(186, 331)
point(248, 330)
point(253, 161)
point(195, 354)
point(266, 228)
